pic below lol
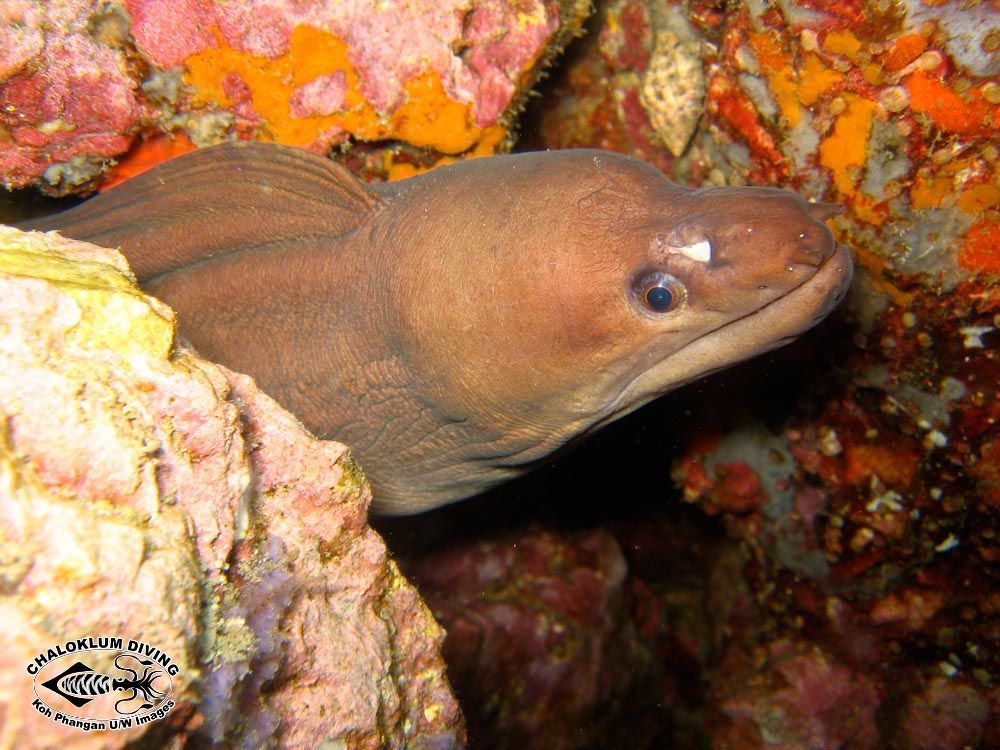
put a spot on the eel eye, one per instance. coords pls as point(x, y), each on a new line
point(659, 298)
point(660, 292)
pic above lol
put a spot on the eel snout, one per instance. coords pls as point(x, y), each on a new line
point(810, 243)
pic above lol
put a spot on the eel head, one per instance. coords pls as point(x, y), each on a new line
point(579, 285)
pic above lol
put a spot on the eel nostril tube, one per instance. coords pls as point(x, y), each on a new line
point(809, 248)
point(824, 211)
point(819, 240)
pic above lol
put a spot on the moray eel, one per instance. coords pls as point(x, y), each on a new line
point(458, 327)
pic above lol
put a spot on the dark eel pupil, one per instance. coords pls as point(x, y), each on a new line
point(659, 298)
point(657, 291)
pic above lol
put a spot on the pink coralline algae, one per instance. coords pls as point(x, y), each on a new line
point(79, 81)
point(540, 643)
point(147, 493)
point(945, 715)
point(322, 96)
point(67, 93)
point(389, 44)
point(797, 699)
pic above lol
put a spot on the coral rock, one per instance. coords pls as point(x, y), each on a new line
point(799, 698)
point(148, 493)
point(540, 645)
point(891, 111)
point(945, 715)
point(868, 502)
point(80, 79)
point(67, 97)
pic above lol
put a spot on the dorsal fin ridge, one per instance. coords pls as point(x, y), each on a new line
point(235, 197)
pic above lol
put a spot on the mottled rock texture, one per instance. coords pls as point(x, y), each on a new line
point(148, 493)
point(541, 643)
point(859, 467)
point(417, 81)
point(889, 108)
point(793, 697)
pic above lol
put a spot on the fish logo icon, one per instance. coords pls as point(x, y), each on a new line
point(79, 684)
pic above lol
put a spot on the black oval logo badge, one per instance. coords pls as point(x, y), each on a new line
point(103, 683)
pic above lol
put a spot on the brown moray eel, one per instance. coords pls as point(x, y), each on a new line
point(457, 327)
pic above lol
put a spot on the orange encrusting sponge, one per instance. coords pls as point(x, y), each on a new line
point(428, 117)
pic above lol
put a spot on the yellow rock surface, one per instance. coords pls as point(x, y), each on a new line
point(112, 312)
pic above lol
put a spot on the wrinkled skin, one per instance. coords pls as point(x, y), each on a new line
point(457, 327)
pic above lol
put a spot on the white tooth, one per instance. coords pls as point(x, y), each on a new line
point(699, 251)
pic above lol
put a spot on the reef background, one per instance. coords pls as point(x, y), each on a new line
point(838, 585)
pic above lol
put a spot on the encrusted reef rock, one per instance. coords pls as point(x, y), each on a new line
point(866, 494)
point(563, 635)
point(792, 696)
point(148, 494)
point(870, 518)
point(888, 107)
point(541, 644)
point(421, 80)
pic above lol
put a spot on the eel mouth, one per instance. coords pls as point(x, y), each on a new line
point(819, 294)
point(768, 327)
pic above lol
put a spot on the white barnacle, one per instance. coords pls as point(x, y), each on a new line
point(947, 669)
point(972, 336)
point(949, 542)
point(888, 499)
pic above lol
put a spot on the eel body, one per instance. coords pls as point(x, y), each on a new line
point(457, 327)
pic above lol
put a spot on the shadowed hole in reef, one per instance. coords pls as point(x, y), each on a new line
point(21, 205)
point(551, 86)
